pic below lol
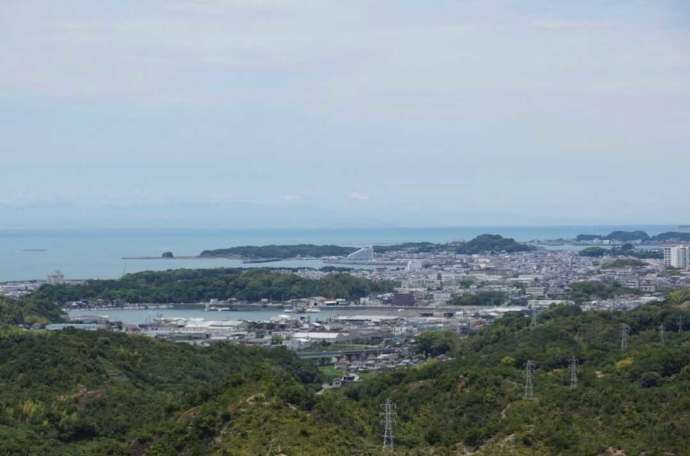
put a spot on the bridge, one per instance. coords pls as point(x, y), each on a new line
point(331, 357)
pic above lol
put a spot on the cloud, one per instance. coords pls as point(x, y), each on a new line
point(557, 25)
point(291, 198)
point(357, 196)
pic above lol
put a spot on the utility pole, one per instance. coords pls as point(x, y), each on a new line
point(388, 421)
point(573, 373)
point(662, 335)
point(529, 380)
point(625, 333)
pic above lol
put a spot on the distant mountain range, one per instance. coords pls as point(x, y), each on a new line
point(632, 236)
point(484, 243)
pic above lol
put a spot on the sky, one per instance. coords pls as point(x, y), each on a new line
point(287, 113)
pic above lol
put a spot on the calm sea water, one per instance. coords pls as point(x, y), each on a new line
point(146, 316)
point(85, 254)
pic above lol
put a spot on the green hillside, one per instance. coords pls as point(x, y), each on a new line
point(280, 251)
point(28, 310)
point(197, 285)
point(103, 393)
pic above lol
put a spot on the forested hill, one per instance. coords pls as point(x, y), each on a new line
point(630, 236)
point(198, 285)
point(482, 244)
point(485, 243)
point(83, 393)
point(101, 393)
point(28, 310)
point(280, 252)
point(636, 399)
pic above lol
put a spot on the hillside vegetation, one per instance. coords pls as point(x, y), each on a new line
point(482, 244)
point(631, 236)
point(28, 310)
point(100, 393)
point(280, 251)
point(635, 399)
point(198, 285)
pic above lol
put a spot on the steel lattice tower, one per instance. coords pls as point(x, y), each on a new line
point(662, 334)
point(573, 373)
point(533, 322)
point(625, 333)
point(529, 380)
point(388, 421)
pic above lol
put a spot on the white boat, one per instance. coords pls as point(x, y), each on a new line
point(313, 310)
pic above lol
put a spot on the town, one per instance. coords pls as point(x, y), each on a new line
point(436, 289)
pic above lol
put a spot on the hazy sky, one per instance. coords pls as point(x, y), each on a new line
point(249, 113)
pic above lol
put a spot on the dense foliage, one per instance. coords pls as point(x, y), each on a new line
point(104, 393)
point(620, 236)
point(591, 290)
point(435, 343)
point(673, 236)
point(635, 400)
point(594, 252)
point(28, 310)
point(78, 393)
point(280, 251)
point(492, 243)
point(482, 298)
point(630, 236)
point(622, 263)
point(627, 250)
point(482, 244)
point(197, 285)
point(485, 243)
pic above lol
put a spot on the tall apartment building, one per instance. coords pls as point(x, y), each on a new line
point(677, 256)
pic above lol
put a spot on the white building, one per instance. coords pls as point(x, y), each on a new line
point(677, 256)
point(56, 278)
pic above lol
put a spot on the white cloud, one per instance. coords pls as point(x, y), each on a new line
point(573, 25)
point(291, 198)
point(357, 196)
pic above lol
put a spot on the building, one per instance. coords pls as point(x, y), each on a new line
point(414, 266)
point(677, 256)
point(403, 300)
point(56, 278)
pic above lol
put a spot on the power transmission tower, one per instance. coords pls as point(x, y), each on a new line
point(529, 380)
point(533, 323)
point(573, 373)
point(662, 335)
point(625, 333)
point(388, 421)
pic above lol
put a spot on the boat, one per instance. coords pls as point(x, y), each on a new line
point(313, 310)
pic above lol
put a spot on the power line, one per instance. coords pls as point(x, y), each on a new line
point(388, 421)
point(529, 380)
point(573, 373)
point(625, 334)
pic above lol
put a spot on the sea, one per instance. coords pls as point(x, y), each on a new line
point(137, 316)
point(99, 253)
